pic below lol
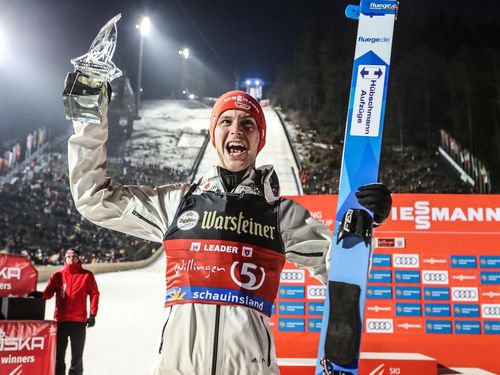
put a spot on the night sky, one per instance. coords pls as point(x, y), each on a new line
point(227, 40)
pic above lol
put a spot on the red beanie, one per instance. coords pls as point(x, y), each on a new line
point(244, 102)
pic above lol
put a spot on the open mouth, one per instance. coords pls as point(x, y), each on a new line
point(236, 148)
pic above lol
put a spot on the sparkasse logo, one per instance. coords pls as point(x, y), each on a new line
point(18, 343)
point(10, 273)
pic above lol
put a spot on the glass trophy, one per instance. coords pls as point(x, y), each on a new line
point(87, 90)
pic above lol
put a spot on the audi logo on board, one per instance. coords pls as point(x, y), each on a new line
point(405, 260)
point(316, 292)
point(491, 310)
point(464, 294)
point(435, 277)
point(379, 326)
point(293, 276)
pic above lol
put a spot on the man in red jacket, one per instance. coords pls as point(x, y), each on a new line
point(72, 285)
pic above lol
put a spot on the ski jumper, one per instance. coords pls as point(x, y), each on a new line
point(212, 325)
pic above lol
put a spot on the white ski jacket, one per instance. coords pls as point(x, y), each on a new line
point(196, 338)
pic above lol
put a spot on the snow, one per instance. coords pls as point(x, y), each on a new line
point(163, 125)
point(126, 337)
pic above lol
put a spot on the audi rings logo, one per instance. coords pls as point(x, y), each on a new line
point(379, 326)
point(316, 292)
point(405, 260)
point(464, 294)
point(435, 277)
point(491, 311)
point(293, 276)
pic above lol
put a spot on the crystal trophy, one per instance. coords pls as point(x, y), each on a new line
point(87, 90)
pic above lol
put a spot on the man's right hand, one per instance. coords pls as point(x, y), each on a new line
point(36, 294)
point(91, 321)
point(86, 97)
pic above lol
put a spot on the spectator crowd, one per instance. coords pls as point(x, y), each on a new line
point(38, 217)
point(404, 170)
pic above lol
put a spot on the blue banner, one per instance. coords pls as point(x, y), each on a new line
point(438, 326)
point(291, 308)
point(407, 292)
point(291, 291)
point(438, 294)
point(437, 309)
point(291, 324)
point(463, 261)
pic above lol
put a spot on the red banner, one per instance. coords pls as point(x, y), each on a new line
point(27, 347)
point(433, 289)
point(18, 276)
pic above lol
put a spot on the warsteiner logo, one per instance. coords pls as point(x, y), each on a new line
point(423, 214)
point(238, 224)
point(188, 220)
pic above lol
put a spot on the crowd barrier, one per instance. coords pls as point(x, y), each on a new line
point(44, 272)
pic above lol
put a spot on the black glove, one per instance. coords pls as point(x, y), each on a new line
point(375, 197)
point(91, 321)
point(36, 294)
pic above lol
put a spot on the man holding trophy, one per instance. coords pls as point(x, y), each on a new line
point(218, 300)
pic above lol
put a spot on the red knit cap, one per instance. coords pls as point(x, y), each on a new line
point(244, 102)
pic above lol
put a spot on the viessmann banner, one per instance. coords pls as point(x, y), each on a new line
point(434, 285)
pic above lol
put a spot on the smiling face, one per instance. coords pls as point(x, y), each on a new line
point(236, 140)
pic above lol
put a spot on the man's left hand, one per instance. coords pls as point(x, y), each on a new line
point(377, 198)
point(91, 321)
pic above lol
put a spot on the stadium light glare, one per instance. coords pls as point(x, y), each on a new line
point(257, 82)
point(3, 49)
point(248, 82)
point(184, 53)
point(145, 26)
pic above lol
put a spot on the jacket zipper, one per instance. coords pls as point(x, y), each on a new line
point(318, 254)
point(137, 214)
point(268, 342)
point(163, 331)
point(216, 339)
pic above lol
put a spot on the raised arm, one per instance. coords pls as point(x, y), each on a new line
point(141, 211)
